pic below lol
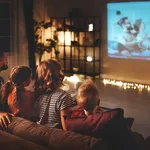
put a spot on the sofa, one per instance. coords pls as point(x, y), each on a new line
point(25, 135)
point(52, 138)
point(9, 141)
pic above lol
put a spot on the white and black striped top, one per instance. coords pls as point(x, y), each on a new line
point(48, 106)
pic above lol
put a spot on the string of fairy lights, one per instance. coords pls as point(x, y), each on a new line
point(126, 85)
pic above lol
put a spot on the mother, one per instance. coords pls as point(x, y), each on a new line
point(52, 102)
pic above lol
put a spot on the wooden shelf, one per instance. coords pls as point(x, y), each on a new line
point(83, 43)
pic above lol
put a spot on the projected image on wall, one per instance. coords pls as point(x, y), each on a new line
point(128, 30)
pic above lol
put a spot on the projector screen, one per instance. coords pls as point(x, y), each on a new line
point(128, 30)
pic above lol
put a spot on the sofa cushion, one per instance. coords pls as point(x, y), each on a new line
point(11, 142)
point(73, 141)
point(90, 125)
point(52, 137)
point(139, 140)
point(109, 125)
point(129, 121)
point(146, 144)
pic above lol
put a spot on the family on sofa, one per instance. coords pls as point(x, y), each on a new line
point(50, 106)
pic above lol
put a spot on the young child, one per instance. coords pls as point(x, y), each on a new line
point(19, 100)
point(88, 97)
point(90, 120)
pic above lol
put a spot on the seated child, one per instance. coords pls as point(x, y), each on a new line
point(89, 119)
point(18, 99)
point(88, 97)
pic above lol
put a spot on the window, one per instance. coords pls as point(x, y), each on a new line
point(5, 20)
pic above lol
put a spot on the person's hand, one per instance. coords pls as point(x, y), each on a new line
point(5, 119)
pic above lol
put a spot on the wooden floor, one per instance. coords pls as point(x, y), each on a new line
point(135, 104)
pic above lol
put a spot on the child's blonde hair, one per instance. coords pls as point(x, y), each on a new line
point(88, 95)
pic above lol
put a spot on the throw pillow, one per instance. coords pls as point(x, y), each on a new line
point(93, 124)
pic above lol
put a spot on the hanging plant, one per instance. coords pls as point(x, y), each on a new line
point(40, 46)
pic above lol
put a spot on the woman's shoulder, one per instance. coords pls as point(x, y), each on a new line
point(62, 92)
point(57, 95)
point(61, 95)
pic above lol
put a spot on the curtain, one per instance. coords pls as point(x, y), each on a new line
point(29, 25)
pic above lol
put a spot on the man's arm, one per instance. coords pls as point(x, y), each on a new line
point(5, 119)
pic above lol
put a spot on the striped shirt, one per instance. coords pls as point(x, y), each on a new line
point(48, 106)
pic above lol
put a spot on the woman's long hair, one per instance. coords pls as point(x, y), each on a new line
point(14, 86)
point(48, 77)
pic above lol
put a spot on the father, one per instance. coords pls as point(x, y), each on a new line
point(3, 65)
point(4, 117)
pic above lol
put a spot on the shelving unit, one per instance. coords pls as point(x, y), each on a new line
point(78, 43)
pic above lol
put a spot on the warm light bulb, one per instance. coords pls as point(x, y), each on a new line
point(91, 27)
point(89, 58)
